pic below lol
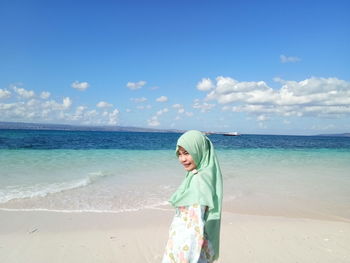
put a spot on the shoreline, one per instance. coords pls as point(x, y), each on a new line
point(140, 236)
point(267, 209)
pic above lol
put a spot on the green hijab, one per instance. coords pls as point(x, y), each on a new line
point(203, 187)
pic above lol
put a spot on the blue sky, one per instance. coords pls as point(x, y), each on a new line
point(278, 67)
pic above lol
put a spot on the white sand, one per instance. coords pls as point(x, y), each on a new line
point(42, 237)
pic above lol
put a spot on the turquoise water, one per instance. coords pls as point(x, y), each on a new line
point(265, 179)
point(85, 179)
point(312, 182)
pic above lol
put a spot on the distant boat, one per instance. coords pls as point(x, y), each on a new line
point(231, 134)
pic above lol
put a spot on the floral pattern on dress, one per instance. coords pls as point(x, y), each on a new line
point(187, 241)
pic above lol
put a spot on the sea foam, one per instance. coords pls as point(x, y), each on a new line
point(42, 190)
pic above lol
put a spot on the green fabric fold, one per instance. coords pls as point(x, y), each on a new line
point(203, 185)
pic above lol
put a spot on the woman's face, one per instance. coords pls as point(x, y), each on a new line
point(186, 159)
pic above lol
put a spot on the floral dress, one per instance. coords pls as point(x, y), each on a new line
point(187, 240)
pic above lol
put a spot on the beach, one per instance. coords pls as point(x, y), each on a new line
point(103, 197)
point(123, 120)
point(140, 236)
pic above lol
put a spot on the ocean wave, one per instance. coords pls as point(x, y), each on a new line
point(42, 190)
point(155, 206)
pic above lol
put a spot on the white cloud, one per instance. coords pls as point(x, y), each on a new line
point(229, 90)
point(135, 85)
point(162, 111)
point(138, 100)
point(81, 108)
point(67, 102)
point(32, 102)
point(34, 110)
point(142, 107)
point(205, 84)
point(177, 106)
point(162, 99)
point(26, 94)
point(52, 111)
point(180, 110)
point(262, 117)
point(103, 104)
point(4, 94)
point(80, 85)
point(204, 106)
point(289, 59)
point(53, 105)
point(93, 117)
point(92, 113)
point(113, 117)
point(45, 95)
point(323, 97)
point(153, 121)
point(226, 108)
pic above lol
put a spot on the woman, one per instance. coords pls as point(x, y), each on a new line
point(194, 234)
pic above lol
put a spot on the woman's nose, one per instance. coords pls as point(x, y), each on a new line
point(182, 158)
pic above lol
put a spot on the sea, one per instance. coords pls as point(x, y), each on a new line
point(116, 172)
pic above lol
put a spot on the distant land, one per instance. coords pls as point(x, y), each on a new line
point(68, 127)
point(336, 135)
